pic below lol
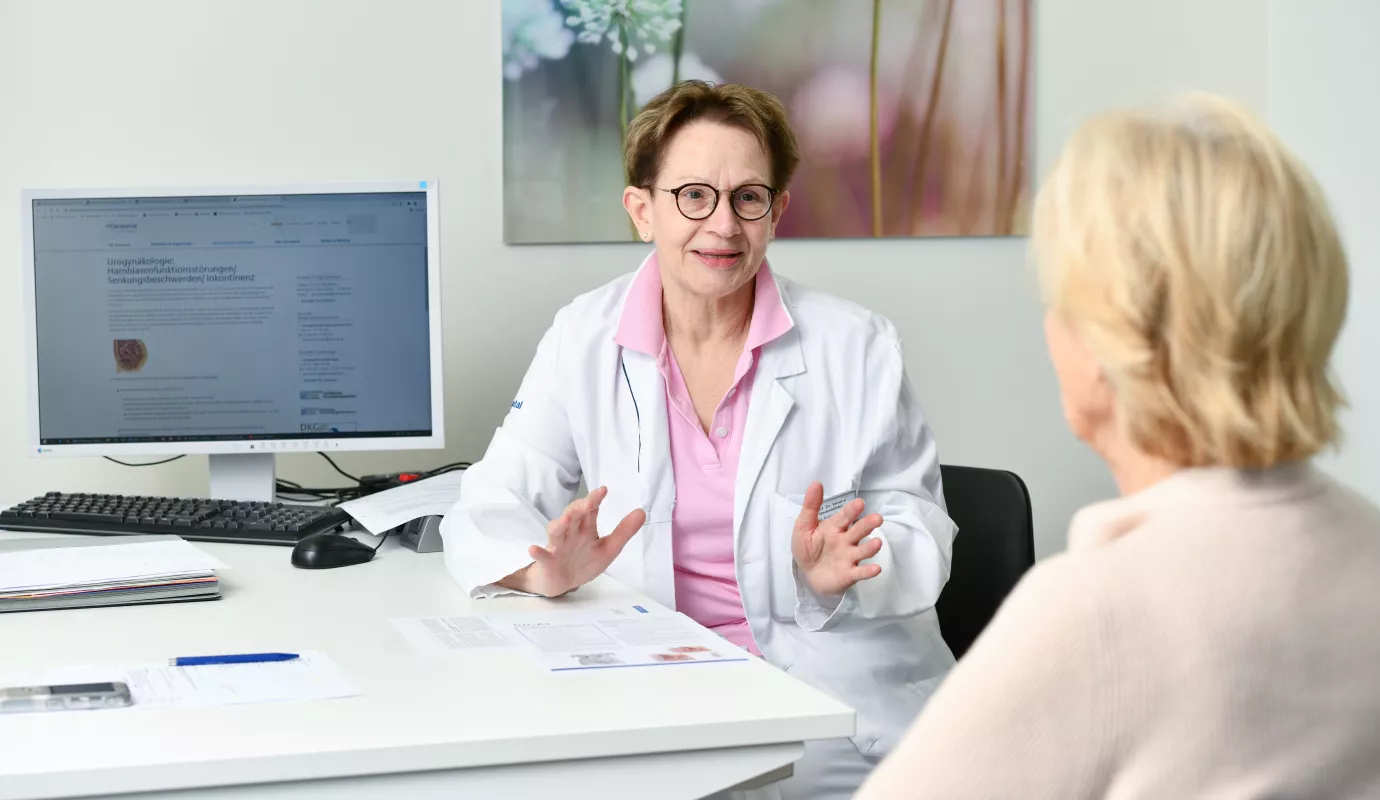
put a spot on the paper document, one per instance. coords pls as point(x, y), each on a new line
point(313, 676)
point(439, 634)
point(565, 640)
point(390, 508)
point(115, 563)
point(621, 637)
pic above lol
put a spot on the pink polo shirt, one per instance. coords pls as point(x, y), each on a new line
point(705, 465)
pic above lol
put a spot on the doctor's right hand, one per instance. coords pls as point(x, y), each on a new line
point(575, 553)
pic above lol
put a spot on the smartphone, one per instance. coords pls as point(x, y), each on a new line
point(64, 697)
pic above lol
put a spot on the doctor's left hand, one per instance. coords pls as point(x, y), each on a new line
point(828, 552)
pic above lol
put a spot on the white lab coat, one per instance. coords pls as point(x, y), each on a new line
point(830, 402)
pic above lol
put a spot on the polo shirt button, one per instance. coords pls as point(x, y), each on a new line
point(721, 433)
point(732, 391)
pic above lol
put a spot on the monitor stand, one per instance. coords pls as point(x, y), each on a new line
point(242, 476)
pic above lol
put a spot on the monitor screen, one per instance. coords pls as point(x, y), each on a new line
point(233, 318)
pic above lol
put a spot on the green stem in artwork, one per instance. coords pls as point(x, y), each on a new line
point(875, 144)
point(678, 44)
point(1022, 86)
point(1002, 220)
point(927, 125)
point(624, 89)
point(623, 85)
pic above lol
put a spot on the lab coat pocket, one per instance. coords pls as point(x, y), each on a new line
point(620, 501)
point(632, 565)
point(784, 513)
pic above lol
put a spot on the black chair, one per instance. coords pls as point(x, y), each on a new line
point(995, 545)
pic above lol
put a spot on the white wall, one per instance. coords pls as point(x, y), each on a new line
point(1323, 66)
point(193, 91)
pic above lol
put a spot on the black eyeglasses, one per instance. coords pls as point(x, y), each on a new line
point(698, 200)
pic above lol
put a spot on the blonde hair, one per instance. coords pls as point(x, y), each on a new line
point(1197, 259)
point(760, 113)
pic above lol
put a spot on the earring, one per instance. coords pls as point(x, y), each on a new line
point(646, 237)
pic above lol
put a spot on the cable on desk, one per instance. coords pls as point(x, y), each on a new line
point(292, 491)
point(336, 466)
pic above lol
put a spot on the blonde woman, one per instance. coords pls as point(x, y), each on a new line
point(1215, 632)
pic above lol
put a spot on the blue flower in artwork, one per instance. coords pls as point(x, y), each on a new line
point(532, 30)
point(649, 22)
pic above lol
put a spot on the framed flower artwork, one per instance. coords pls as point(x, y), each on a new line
point(913, 116)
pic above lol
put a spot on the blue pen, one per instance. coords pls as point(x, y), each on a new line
point(242, 658)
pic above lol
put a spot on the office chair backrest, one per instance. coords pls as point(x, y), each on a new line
point(995, 545)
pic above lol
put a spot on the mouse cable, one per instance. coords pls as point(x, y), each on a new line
point(384, 539)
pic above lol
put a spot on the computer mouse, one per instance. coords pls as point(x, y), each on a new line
point(325, 550)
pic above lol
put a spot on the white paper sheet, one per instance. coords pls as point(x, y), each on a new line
point(572, 641)
point(60, 567)
point(568, 640)
point(390, 508)
point(431, 635)
point(313, 676)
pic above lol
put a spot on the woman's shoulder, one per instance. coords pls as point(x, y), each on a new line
point(593, 315)
point(1058, 607)
point(1197, 501)
point(603, 301)
point(813, 309)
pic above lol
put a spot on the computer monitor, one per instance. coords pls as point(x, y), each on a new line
point(238, 322)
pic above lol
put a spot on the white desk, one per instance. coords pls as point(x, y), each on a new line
point(475, 724)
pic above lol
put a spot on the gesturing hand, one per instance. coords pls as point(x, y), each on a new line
point(575, 553)
point(828, 552)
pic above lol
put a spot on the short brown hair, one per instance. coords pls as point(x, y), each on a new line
point(1197, 258)
point(760, 113)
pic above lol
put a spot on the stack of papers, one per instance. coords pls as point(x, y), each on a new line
point(48, 573)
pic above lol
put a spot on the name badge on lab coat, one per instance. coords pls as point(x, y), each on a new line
point(831, 505)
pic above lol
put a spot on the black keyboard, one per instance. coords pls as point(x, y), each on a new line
point(189, 517)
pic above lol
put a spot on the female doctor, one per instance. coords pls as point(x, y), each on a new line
point(715, 407)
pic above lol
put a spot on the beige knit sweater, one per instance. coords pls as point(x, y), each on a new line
point(1215, 635)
